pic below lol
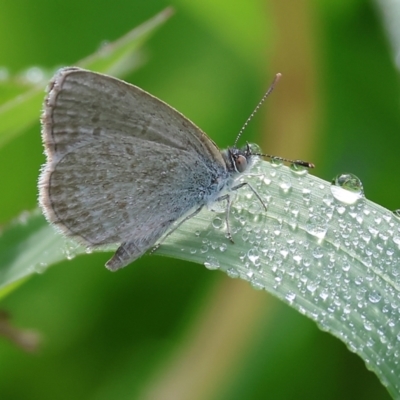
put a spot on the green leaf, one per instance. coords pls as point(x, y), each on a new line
point(321, 248)
point(116, 58)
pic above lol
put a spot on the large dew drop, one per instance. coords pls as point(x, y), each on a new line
point(347, 188)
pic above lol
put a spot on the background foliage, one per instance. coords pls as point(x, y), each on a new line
point(163, 328)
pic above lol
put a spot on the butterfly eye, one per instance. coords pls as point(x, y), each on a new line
point(240, 163)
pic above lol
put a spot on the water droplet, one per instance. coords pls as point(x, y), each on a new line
point(255, 207)
point(317, 226)
point(24, 216)
point(254, 256)
point(396, 213)
point(223, 247)
point(40, 267)
point(218, 207)
point(276, 162)
point(285, 184)
point(70, 249)
point(312, 286)
point(298, 169)
point(346, 265)
point(327, 199)
point(297, 258)
point(347, 188)
point(204, 248)
point(284, 252)
point(217, 222)
point(290, 297)
point(396, 239)
point(317, 253)
point(384, 235)
point(374, 296)
point(367, 325)
point(306, 195)
point(267, 181)
point(232, 273)
point(324, 295)
point(103, 46)
point(306, 262)
point(373, 231)
point(256, 284)
point(255, 148)
point(347, 309)
point(211, 263)
point(214, 245)
point(249, 275)
point(34, 75)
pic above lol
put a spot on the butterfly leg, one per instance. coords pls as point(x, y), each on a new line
point(227, 212)
point(194, 213)
point(229, 203)
point(253, 190)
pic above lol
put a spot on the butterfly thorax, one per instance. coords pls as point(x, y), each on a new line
point(237, 161)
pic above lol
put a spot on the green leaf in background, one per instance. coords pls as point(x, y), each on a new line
point(117, 58)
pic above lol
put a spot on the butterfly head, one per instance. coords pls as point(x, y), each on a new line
point(238, 160)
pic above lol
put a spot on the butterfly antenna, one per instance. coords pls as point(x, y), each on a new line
point(295, 162)
point(269, 91)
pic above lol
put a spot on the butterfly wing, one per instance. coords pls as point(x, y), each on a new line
point(126, 192)
point(84, 107)
point(122, 166)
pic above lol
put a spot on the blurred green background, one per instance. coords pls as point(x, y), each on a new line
point(162, 328)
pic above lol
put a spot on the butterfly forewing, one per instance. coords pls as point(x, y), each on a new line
point(106, 142)
point(84, 106)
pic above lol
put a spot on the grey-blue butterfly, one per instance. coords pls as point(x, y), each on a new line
point(124, 167)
